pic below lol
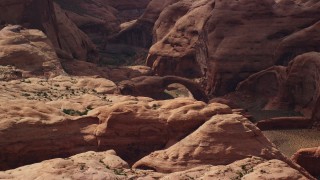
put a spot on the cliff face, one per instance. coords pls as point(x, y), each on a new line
point(128, 10)
point(140, 33)
point(42, 15)
point(227, 41)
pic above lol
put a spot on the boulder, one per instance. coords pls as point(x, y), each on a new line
point(309, 159)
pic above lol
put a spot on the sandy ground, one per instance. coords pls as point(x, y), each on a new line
point(290, 141)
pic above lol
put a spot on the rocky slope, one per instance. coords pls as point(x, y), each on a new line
point(215, 39)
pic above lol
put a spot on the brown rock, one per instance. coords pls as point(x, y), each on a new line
point(128, 10)
point(309, 159)
point(153, 86)
point(72, 39)
point(214, 39)
point(140, 33)
point(303, 41)
point(40, 14)
point(250, 168)
point(95, 17)
point(302, 85)
point(294, 88)
point(89, 165)
point(36, 115)
point(29, 51)
point(150, 125)
point(107, 165)
point(213, 143)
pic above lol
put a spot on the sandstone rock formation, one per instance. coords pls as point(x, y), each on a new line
point(39, 14)
point(106, 165)
point(250, 168)
point(89, 165)
point(139, 33)
point(214, 39)
point(128, 10)
point(29, 51)
point(294, 88)
point(153, 86)
point(95, 17)
point(303, 41)
point(213, 143)
point(72, 39)
point(309, 159)
point(38, 114)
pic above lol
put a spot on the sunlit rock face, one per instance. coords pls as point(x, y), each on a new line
point(26, 53)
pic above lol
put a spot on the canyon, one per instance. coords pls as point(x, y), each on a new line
point(159, 89)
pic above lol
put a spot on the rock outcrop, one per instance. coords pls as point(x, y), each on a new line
point(29, 51)
point(94, 17)
point(73, 40)
point(250, 168)
point(294, 88)
point(140, 32)
point(153, 86)
point(40, 14)
point(38, 114)
point(213, 143)
point(89, 165)
point(214, 39)
point(309, 159)
point(128, 10)
point(107, 165)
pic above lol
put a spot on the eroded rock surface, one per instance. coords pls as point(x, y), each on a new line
point(294, 88)
point(309, 159)
point(38, 114)
point(153, 86)
point(29, 51)
point(250, 168)
point(41, 15)
point(106, 165)
point(213, 143)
